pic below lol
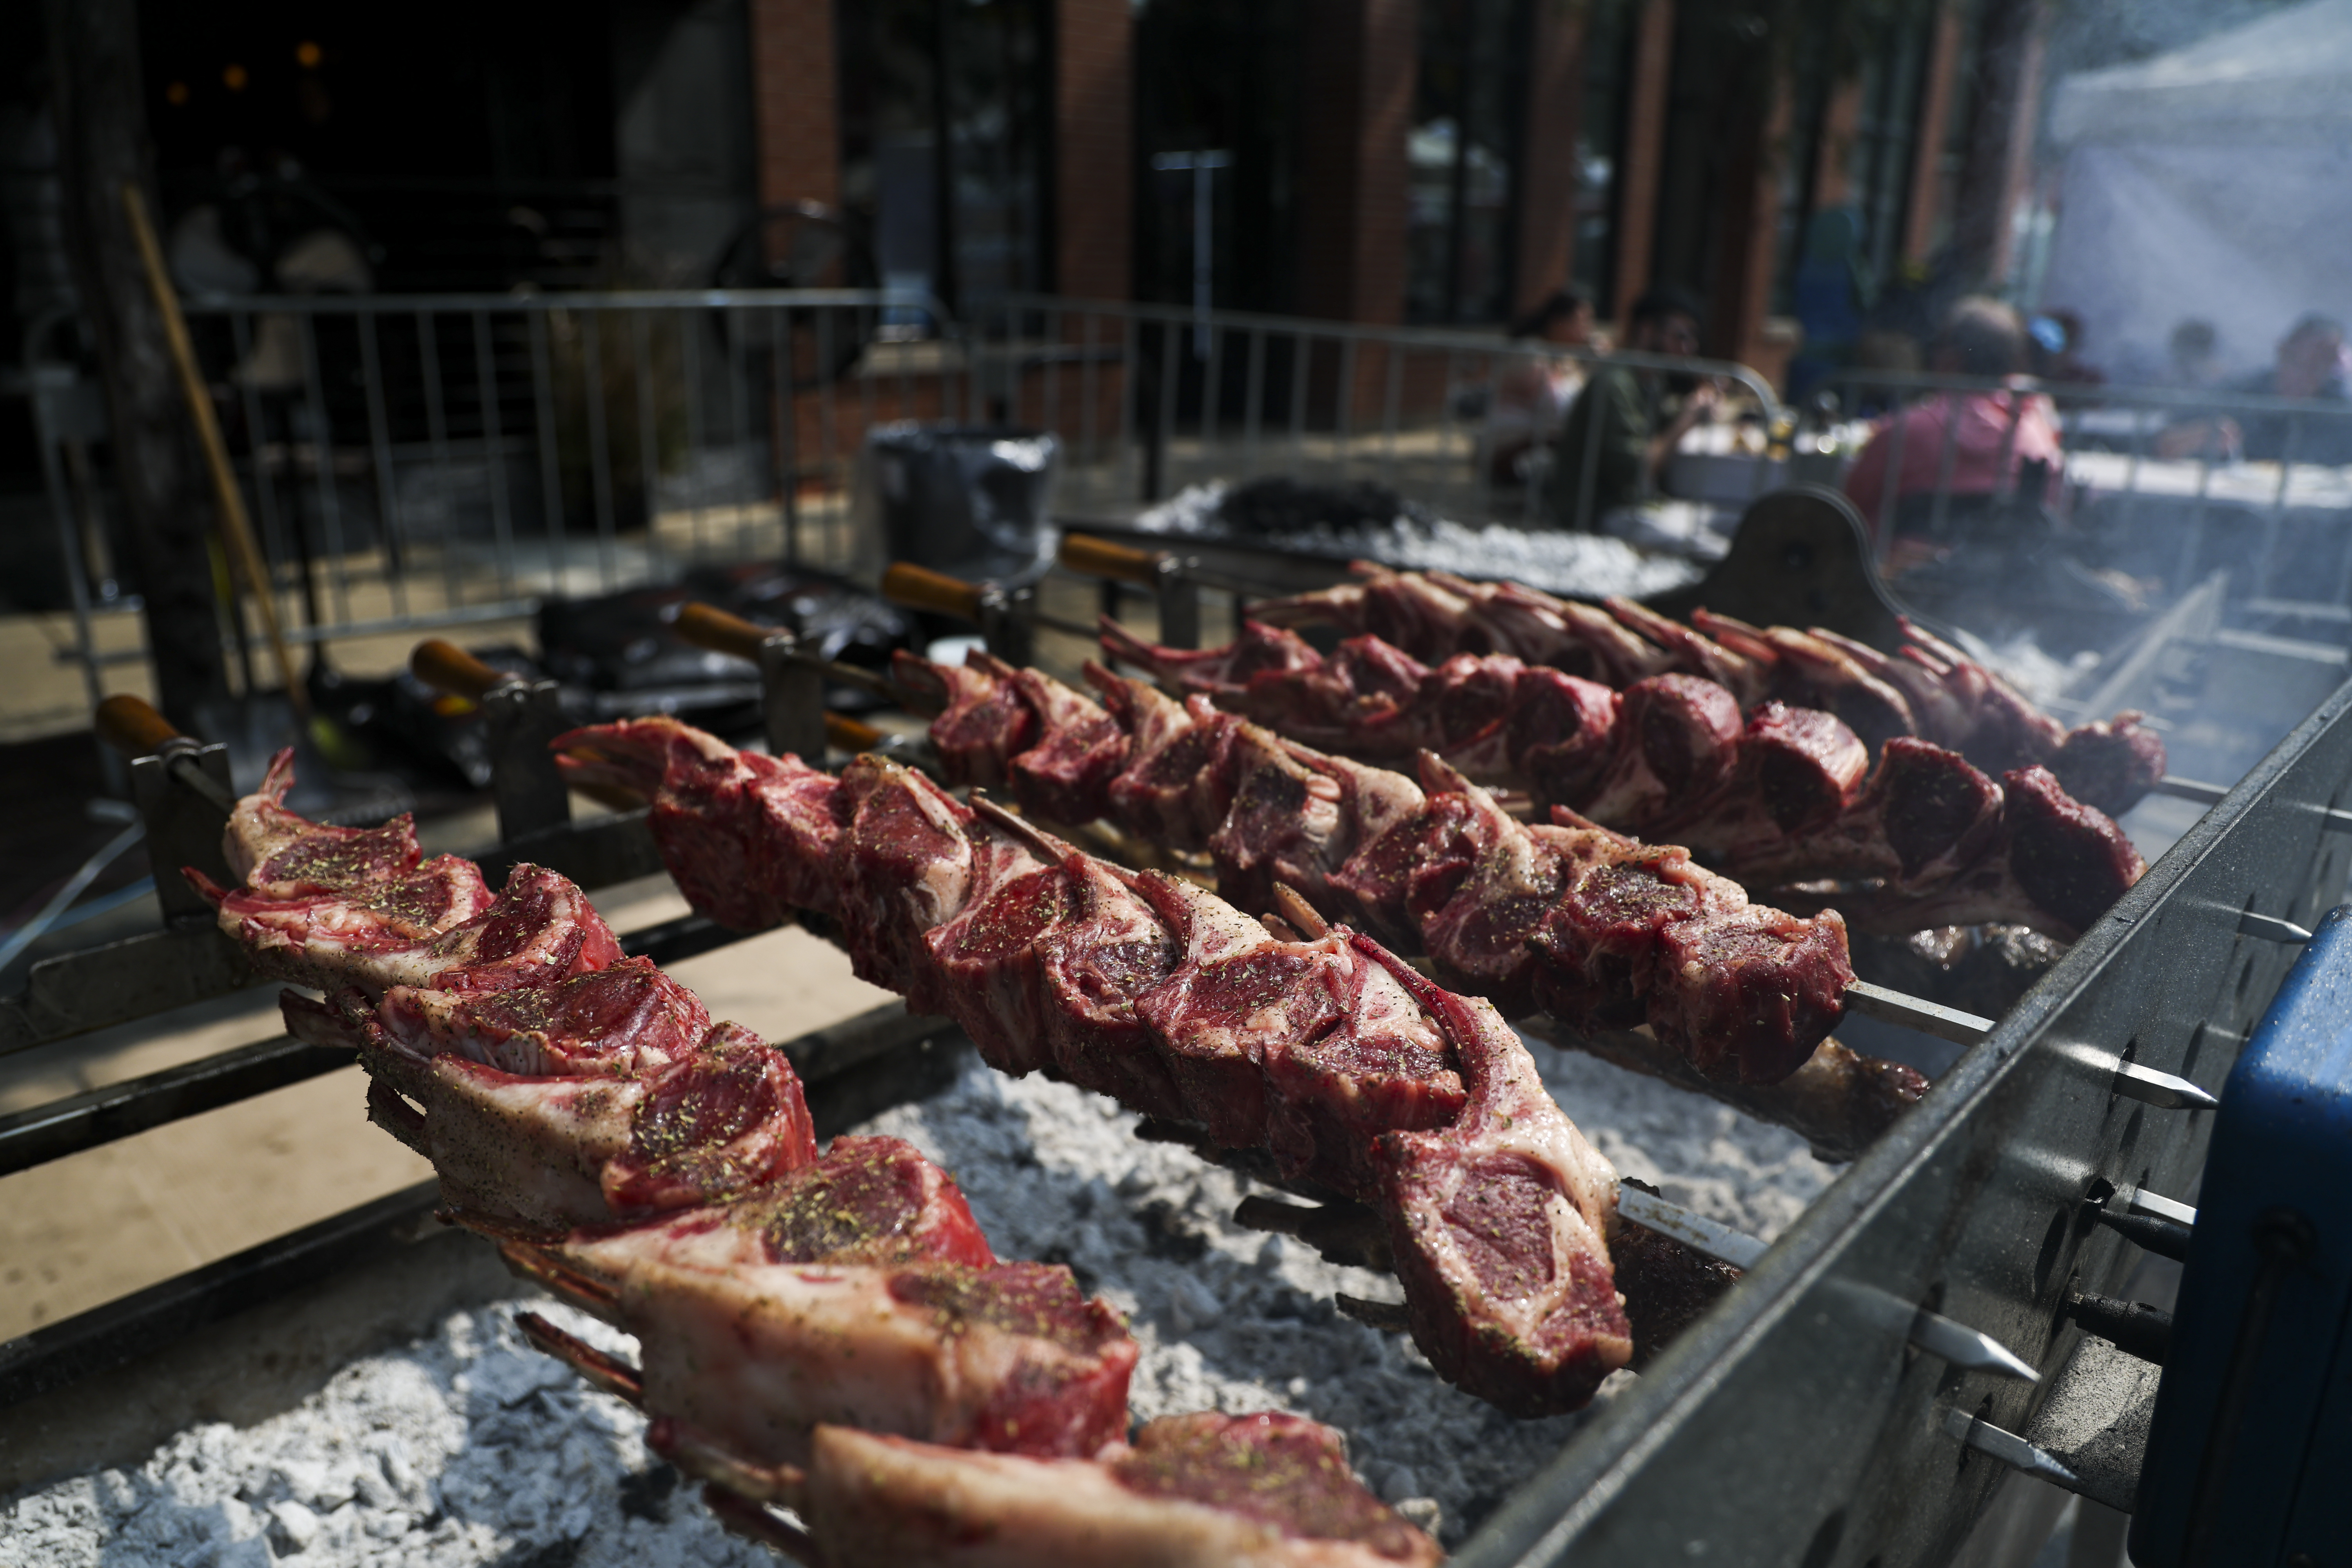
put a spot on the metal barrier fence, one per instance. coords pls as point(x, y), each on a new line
point(2162, 483)
point(438, 461)
point(1229, 395)
point(427, 461)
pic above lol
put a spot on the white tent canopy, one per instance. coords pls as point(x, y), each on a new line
point(2286, 72)
point(2212, 183)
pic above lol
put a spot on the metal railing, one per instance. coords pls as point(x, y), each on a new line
point(420, 462)
point(2165, 483)
point(440, 460)
point(1231, 395)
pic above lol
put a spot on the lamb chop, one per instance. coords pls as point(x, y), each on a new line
point(855, 1290)
point(1192, 1491)
point(1949, 699)
point(551, 1081)
point(1778, 797)
point(323, 906)
point(664, 1172)
point(1328, 1052)
point(1364, 844)
point(1372, 848)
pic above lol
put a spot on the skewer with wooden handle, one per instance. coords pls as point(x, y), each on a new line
point(792, 682)
point(445, 667)
point(916, 587)
point(181, 787)
point(1090, 557)
point(133, 728)
point(1174, 587)
point(1004, 615)
point(522, 716)
point(235, 531)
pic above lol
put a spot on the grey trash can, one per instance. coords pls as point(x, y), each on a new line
point(971, 501)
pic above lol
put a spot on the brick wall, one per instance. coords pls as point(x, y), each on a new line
point(1924, 220)
point(1352, 171)
point(795, 101)
point(1643, 160)
point(1749, 200)
point(1548, 176)
point(1094, 99)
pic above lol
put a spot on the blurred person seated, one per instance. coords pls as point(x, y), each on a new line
point(2309, 367)
point(2056, 352)
point(1533, 390)
point(1993, 432)
point(1636, 435)
point(2193, 355)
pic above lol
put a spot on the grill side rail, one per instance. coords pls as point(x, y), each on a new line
point(1794, 1424)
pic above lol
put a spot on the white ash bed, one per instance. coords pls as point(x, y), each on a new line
point(468, 1447)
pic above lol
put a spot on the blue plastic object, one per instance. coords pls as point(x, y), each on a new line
point(2250, 1454)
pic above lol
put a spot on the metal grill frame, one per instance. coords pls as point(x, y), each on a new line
point(1794, 1424)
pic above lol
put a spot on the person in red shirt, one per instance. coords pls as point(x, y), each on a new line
point(1991, 433)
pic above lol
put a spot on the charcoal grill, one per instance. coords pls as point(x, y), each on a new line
point(1804, 1420)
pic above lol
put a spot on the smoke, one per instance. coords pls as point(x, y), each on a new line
point(2204, 172)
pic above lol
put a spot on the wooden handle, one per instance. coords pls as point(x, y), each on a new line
point(921, 588)
point(445, 666)
point(1092, 557)
point(844, 734)
point(237, 532)
point(131, 727)
point(706, 626)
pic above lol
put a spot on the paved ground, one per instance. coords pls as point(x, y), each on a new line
point(83, 1230)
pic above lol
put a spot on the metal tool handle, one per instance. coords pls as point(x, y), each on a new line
point(133, 727)
point(921, 588)
point(181, 789)
point(1092, 557)
point(844, 734)
point(707, 626)
point(445, 667)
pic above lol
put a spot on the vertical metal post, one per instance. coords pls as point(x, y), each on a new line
point(1163, 423)
point(1945, 457)
point(738, 326)
point(1212, 378)
point(387, 481)
point(47, 380)
point(183, 828)
point(600, 447)
point(1180, 604)
point(1596, 433)
point(436, 428)
point(1129, 366)
point(1053, 390)
point(1345, 426)
point(787, 445)
point(791, 699)
point(2005, 482)
point(1302, 348)
point(521, 718)
point(322, 447)
point(1253, 394)
point(689, 352)
point(1890, 489)
point(828, 436)
point(2276, 525)
point(641, 355)
point(2193, 547)
point(551, 467)
point(1391, 401)
point(494, 445)
point(265, 494)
